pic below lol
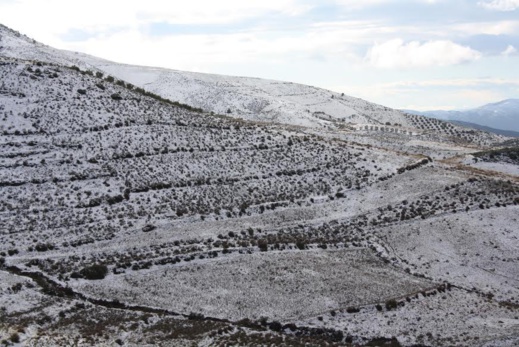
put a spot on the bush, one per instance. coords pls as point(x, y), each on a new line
point(44, 247)
point(15, 338)
point(114, 199)
point(148, 227)
point(263, 245)
point(94, 272)
point(275, 326)
point(195, 316)
point(300, 244)
point(391, 304)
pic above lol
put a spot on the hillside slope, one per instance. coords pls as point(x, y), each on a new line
point(248, 98)
point(128, 219)
point(151, 199)
point(508, 133)
point(502, 115)
point(270, 101)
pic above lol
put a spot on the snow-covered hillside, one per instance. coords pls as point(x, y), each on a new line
point(250, 98)
point(241, 97)
point(129, 219)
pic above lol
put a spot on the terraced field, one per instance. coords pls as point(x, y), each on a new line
point(126, 218)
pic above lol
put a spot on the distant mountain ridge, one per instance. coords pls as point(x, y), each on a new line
point(502, 115)
point(508, 133)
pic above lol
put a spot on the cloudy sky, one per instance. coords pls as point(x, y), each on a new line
point(419, 54)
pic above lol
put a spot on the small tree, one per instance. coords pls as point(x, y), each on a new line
point(94, 272)
point(263, 245)
point(391, 304)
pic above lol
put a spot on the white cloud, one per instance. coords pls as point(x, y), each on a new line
point(510, 50)
point(504, 27)
point(355, 4)
point(436, 94)
point(500, 5)
point(59, 16)
point(398, 54)
point(459, 82)
point(205, 51)
point(481, 97)
point(366, 3)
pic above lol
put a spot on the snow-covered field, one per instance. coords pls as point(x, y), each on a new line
point(478, 249)
point(506, 168)
point(278, 285)
point(451, 318)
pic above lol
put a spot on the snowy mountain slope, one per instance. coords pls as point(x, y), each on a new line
point(253, 98)
point(502, 115)
point(130, 220)
point(96, 175)
point(256, 99)
point(248, 98)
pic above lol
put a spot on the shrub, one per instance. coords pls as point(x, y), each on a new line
point(391, 304)
point(15, 338)
point(44, 247)
point(114, 199)
point(263, 245)
point(94, 272)
point(275, 326)
point(300, 244)
point(195, 316)
point(148, 227)
point(75, 275)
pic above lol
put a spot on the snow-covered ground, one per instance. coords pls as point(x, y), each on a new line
point(506, 168)
point(241, 97)
point(272, 285)
point(450, 318)
point(195, 212)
